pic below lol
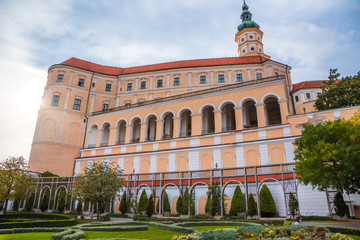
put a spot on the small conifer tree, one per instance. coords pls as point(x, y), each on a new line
point(30, 202)
point(157, 206)
point(143, 201)
point(79, 207)
point(186, 201)
point(150, 206)
point(267, 203)
point(44, 202)
point(252, 208)
point(235, 202)
point(166, 203)
point(123, 204)
point(16, 203)
point(293, 205)
point(61, 202)
point(180, 205)
point(340, 205)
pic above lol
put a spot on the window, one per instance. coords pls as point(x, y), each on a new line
point(55, 101)
point(108, 87)
point(258, 38)
point(260, 50)
point(159, 83)
point(252, 49)
point(81, 82)
point(77, 104)
point(143, 85)
point(60, 78)
point(244, 50)
point(129, 86)
point(239, 77)
point(202, 79)
point(318, 94)
point(176, 81)
point(93, 84)
point(242, 39)
point(251, 37)
point(221, 78)
point(308, 96)
point(105, 107)
point(276, 74)
point(127, 105)
point(258, 75)
point(296, 98)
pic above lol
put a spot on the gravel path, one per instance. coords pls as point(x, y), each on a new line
point(122, 219)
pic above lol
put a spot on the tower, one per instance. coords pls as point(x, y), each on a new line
point(249, 36)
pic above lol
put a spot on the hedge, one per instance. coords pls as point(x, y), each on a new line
point(32, 215)
point(221, 223)
point(116, 228)
point(68, 234)
point(173, 227)
point(29, 230)
point(350, 231)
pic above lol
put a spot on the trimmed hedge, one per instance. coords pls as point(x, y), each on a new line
point(117, 228)
point(221, 223)
point(173, 227)
point(68, 234)
point(32, 215)
point(29, 230)
point(341, 230)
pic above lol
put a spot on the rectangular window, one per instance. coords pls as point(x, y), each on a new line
point(176, 81)
point(221, 78)
point(251, 37)
point(55, 101)
point(143, 85)
point(296, 98)
point(239, 77)
point(77, 104)
point(308, 96)
point(127, 105)
point(159, 83)
point(202, 79)
point(252, 49)
point(93, 84)
point(276, 74)
point(60, 78)
point(258, 75)
point(108, 87)
point(105, 107)
point(318, 94)
point(81, 82)
point(129, 86)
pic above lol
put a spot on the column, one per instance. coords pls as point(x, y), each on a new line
point(143, 131)
point(260, 114)
point(238, 118)
point(176, 127)
point(159, 129)
point(217, 119)
point(112, 136)
point(128, 133)
point(284, 111)
point(98, 137)
point(196, 124)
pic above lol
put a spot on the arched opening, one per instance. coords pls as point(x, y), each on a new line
point(250, 115)
point(104, 140)
point(185, 123)
point(208, 121)
point(228, 117)
point(92, 136)
point(168, 126)
point(151, 128)
point(121, 132)
point(272, 111)
point(136, 129)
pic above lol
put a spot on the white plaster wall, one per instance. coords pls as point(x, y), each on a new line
point(312, 201)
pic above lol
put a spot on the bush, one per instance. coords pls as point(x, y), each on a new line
point(213, 202)
point(68, 234)
point(252, 208)
point(143, 201)
point(217, 235)
point(173, 228)
point(180, 205)
point(293, 205)
point(44, 202)
point(16, 203)
point(28, 230)
point(150, 206)
point(79, 207)
point(166, 202)
point(250, 229)
point(30, 202)
point(61, 204)
point(215, 223)
point(350, 231)
point(186, 202)
point(340, 205)
point(123, 204)
point(267, 203)
point(237, 202)
point(116, 228)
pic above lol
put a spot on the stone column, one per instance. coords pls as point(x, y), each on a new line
point(238, 118)
point(260, 114)
point(284, 111)
point(176, 127)
point(112, 136)
point(196, 124)
point(128, 133)
point(143, 131)
point(159, 129)
point(98, 137)
point(217, 119)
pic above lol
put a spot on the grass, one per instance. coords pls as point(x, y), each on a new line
point(27, 236)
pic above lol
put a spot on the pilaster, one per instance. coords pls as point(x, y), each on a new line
point(217, 119)
point(260, 114)
point(196, 124)
point(238, 118)
point(159, 129)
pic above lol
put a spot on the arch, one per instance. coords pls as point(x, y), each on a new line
point(277, 155)
point(272, 111)
point(121, 131)
point(267, 180)
point(249, 111)
point(47, 132)
point(56, 197)
point(104, 123)
point(120, 120)
point(73, 134)
point(270, 95)
point(226, 102)
point(161, 205)
point(277, 191)
point(206, 161)
point(168, 125)
point(105, 134)
point(93, 135)
point(252, 158)
point(247, 99)
point(138, 189)
point(150, 115)
point(165, 113)
point(229, 182)
point(228, 122)
point(196, 184)
point(208, 119)
point(182, 164)
point(206, 105)
point(184, 109)
point(162, 165)
point(131, 122)
point(151, 125)
point(185, 125)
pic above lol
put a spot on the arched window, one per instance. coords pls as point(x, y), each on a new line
point(208, 121)
point(250, 115)
point(168, 126)
point(272, 111)
point(104, 140)
point(185, 123)
point(121, 132)
point(92, 136)
point(136, 129)
point(228, 117)
point(151, 128)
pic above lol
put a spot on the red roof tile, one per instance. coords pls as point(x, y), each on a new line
point(309, 84)
point(75, 62)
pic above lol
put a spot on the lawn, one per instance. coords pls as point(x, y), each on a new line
point(27, 236)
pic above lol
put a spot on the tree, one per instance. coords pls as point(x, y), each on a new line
point(180, 205)
point(252, 208)
point(143, 201)
point(47, 174)
point(123, 204)
point(166, 203)
point(14, 180)
point(150, 206)
point(79, 207)
point(328, 155)
point(267, 203)
point(293, 205)
point(337, 94)
point(99, 182)
point(213, 202)
point(340, 205)
point(16, 203)
point(30, 202)
point(186, 201)
point(44, 203)
point(61, 202)
point(237, 202)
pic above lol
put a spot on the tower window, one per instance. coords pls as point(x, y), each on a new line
point(202, 79)
point(239, 77)
point(81, 82)
point(129, 86)
point(60, 78)
point(159, 83)
point(143, 85)
point(55, 101)
point(260, 50)
point(296, 98)
point(252, 49)
point(105, 107)
point(258, 38)
point(176, 81)
point(108, 87)
point(221, 78)
point(251, 37)
point(242, 39)
point(244, 51)
point(258, 75)
point(77, 104)
point(93, 84)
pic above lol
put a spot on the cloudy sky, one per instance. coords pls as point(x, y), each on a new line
point(309, 35)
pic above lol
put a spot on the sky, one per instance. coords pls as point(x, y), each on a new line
point(311, 36)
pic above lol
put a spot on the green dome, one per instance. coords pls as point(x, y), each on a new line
point(248, 24)
point(246, 19)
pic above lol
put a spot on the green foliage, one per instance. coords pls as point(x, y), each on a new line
point(237, 202)
point(186, 201)
point(123, 204)
point(48, 174)
point(44, 203)
point(350, 231)
point(115, 228)
point(16, 203)
point(293, 205)
point(340, 205)
point(150, 206)
point(267, 203)
point(157, 206)
point(180, 205)
point(166, 202)
point(213, 202)
point(252, 207)
point(61, 202)
point(250, 229)
point(68, 234)
point(79, 207)
point(327, 155)
point(337, 94)
point(143, 201)
point(217, 235)
point(192, 204)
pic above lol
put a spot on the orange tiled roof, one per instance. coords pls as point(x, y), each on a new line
point(310, 84)
point(75, 62)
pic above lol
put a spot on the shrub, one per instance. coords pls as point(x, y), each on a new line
point(61, 204)
point(166, 202)
point(293, 205)
point(28, 230)
point(116, 228)
point(180, 205)
point(235, 202)
point(173, 228)
point(143, 201)
point(250, 229)
point(350, 231)
point(68, 234)
point(213, 202)
point(186, 201)
point(79, 207)
point(150, 206)
point(340, 205)
point(252, 208)
point(123, 204)
point(44, 202)
point(16, 203)
point(30, 202)
point(217, 235)
point(267, 203)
